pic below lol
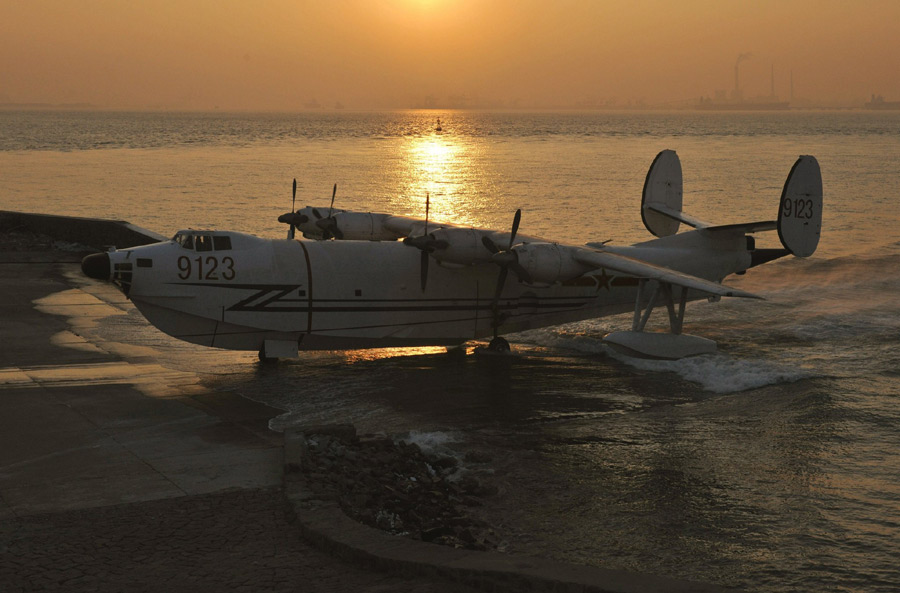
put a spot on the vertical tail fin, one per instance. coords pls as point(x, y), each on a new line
point(663, 191)
point(800, 209)
point(662, 197)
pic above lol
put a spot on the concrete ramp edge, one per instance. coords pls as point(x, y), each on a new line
point(324, 524)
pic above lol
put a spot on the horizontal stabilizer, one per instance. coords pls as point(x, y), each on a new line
point(746, 227)
point(662, 197)
point(679, 216)
point(762, 256)
point(642, 269)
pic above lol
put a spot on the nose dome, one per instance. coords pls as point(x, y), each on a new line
point(96, 266)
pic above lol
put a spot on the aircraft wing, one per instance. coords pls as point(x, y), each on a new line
point(642, 269)
point(403, 226)
point(406, 226)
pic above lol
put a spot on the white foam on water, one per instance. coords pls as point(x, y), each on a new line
point(721, 373)
point(433, 442)
point(582, 336)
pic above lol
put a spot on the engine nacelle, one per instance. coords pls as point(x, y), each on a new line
point(358, 226)
point(464, 246)
point(549, 263)
point(364, 226)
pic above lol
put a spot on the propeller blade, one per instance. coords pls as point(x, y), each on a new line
point(424, 266)
point(291, 231)
point(495, 306)
point(316, 213)
point(426, 244)
point(516, 220)
point(293, 218)
point(501, 281)
point(521, 272)
point(506, 259)
point(331, 208)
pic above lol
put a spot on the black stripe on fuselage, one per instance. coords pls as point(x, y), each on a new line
point(267, 296)
point(309, 291)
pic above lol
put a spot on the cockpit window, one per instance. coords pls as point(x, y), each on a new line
point(186, 241)
point(203, 243)
point(191, 241)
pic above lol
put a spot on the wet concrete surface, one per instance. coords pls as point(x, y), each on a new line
point(118, 474)
point(237, 540)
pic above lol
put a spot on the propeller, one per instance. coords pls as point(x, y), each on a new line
point(426, 244)
point(293, 202)
point(506, 259)
point(329, 223)
point(293, 218)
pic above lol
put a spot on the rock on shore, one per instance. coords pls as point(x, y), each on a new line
point(395, 486)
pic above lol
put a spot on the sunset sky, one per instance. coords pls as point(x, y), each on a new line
point(281, 55)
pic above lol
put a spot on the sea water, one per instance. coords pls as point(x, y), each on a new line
point(773, 465)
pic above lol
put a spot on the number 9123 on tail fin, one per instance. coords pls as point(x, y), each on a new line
point(800, 209)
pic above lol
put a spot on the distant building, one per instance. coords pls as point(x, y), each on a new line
point(878, 102)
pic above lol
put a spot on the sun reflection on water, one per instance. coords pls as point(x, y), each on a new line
point(447, 168)
point(434, 162)
point(355, 356)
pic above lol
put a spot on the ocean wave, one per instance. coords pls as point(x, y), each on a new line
point(721, 373)
point(434, 442)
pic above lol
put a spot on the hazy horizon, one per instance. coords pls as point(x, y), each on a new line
point(287, 56)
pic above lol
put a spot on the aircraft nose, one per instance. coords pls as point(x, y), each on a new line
point(96, 266)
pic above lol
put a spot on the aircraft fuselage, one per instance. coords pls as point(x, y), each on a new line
point(233, 290)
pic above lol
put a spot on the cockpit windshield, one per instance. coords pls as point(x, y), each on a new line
point(200, 241)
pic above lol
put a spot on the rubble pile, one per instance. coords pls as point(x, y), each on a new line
point(396, 487)
point(20, 239)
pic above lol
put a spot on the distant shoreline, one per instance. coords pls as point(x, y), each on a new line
point(91, 108)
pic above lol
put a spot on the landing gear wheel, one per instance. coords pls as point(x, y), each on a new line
point(456, 352)
point(498, 344)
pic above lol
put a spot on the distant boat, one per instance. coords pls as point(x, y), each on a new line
point(438, 128)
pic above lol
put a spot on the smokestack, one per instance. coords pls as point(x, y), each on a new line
point(773, 81)
point(737, 84)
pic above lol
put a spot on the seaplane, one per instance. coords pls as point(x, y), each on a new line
point(359, 280)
